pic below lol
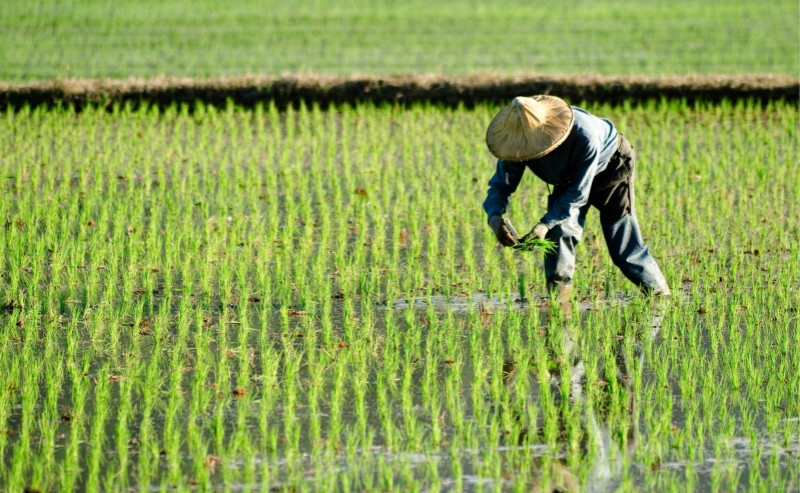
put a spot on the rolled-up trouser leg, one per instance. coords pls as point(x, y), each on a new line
point(631, 255)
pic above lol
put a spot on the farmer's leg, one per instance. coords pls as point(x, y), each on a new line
point(615, 200)
point(631, 255)
point(559, 265)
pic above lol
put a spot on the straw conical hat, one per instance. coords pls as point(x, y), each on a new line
point(529, 128)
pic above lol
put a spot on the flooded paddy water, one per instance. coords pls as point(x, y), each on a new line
point(310, 301)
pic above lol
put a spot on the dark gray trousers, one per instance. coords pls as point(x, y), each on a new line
point(611, 194)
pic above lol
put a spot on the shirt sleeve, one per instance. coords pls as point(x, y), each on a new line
point(501, 186)
point(566, 205)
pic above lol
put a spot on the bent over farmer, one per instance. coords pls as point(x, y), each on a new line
point(589, 163)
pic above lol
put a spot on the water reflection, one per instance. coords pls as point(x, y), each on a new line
point(603, 447)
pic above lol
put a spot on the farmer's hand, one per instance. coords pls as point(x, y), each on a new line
point(539, 231)
point(501, 231)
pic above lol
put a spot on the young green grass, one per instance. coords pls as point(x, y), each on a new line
point(421, 38)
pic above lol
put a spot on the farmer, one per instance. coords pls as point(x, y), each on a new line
point(589, 163)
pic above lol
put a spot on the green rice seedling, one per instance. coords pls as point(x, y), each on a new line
point(142, 52)
point(97, 433)
point(292, 300)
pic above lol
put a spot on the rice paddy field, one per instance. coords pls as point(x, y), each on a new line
point(46, 39)
point(228, 299)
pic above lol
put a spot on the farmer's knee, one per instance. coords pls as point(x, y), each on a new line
point(560, 264)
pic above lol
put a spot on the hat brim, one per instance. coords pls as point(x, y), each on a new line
point(509, 141)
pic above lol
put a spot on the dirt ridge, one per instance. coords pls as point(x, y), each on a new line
point(404, 89)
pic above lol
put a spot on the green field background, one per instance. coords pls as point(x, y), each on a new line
point(42, 40)
point(197, 297)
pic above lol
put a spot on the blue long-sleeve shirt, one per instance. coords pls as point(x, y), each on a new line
point(571, 167)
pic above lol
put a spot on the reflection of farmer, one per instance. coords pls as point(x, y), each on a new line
point(590, 163)
point(603, 445)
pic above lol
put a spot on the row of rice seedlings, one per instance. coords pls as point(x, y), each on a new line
point(54, 41)
point(214, 290)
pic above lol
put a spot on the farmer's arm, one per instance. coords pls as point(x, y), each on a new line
point(566, 205)
point(501, 186)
